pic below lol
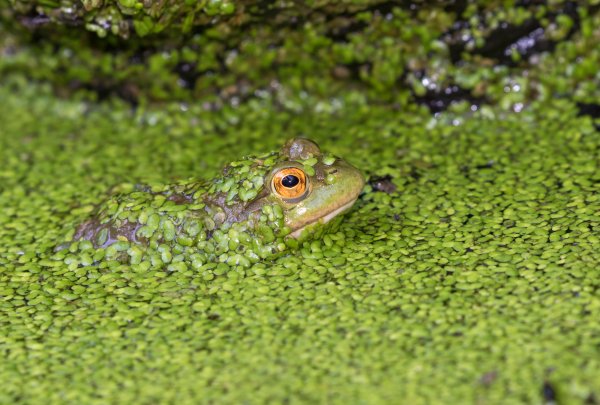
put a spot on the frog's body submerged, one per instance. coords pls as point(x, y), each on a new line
point(254, 210)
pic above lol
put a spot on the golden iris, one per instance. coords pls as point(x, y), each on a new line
point(290, 183)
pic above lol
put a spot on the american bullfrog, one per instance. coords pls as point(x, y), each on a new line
point(257, 208)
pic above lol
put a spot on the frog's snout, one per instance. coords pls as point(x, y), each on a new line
point(349, 183)
point(358, 183)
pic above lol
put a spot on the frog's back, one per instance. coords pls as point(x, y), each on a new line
point(136, 216)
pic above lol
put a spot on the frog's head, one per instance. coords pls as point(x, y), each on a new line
point(311, 187)
point(298, 188)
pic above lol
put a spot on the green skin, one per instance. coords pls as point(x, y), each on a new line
point(238, 218)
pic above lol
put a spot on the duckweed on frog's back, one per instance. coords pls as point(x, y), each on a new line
point(258, 208)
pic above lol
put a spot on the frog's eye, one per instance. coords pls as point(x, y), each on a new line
point(290, 183)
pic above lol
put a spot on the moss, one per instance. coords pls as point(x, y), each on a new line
point(473, 279)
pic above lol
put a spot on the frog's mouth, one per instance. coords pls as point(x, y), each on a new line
point(324, 219)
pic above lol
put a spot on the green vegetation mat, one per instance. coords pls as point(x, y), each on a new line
point(466, 273)
point(434, 52)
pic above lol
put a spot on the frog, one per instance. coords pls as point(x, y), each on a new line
point(259, 206)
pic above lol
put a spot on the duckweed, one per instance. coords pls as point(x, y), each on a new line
point(474, 279)
point(504, 52)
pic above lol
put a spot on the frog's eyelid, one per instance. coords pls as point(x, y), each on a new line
point(295, 200)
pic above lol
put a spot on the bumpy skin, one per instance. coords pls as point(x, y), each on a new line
point(238, 218)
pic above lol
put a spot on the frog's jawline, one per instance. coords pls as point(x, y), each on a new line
point(323, 219)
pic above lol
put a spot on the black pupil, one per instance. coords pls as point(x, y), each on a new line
point(290, 181)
